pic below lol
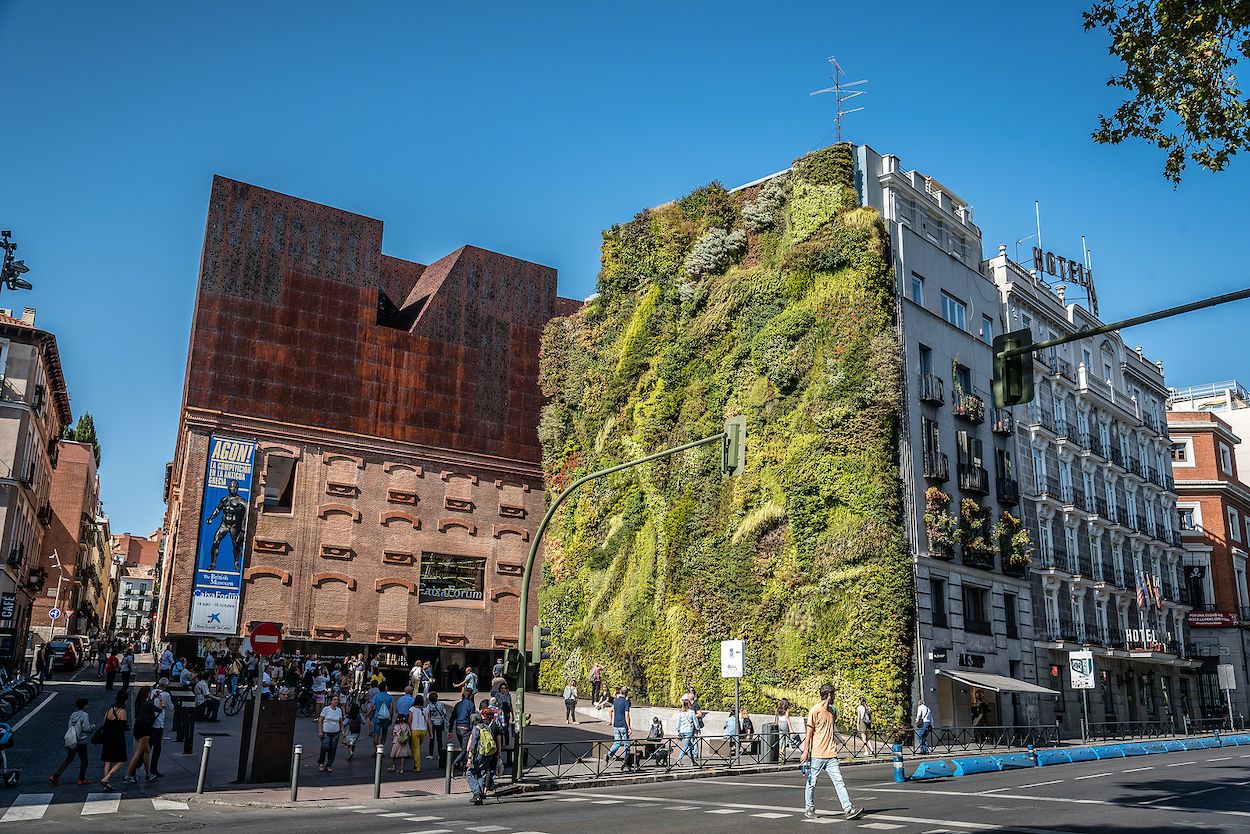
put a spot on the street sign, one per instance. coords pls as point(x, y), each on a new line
point(8, 605)
point(1227, 679)
point(1081, 665)
point(55, 613)
point(266, 639)
point(731, 658)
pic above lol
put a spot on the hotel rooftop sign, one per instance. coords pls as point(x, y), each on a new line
point(1073, 272)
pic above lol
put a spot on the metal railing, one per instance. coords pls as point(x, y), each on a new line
point(974, 478)
point(931, 389)
point(1004, 423)
point(1112, 730)
point(968, 406)
point(936, 466)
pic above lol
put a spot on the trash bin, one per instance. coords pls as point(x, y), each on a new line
point(772, 741)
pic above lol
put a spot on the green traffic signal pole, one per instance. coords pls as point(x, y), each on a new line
point(518, 757)
point(1121, 325)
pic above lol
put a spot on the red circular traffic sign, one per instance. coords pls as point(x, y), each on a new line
point(266, 639)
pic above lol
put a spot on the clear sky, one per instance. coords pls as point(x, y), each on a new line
point(528, 128)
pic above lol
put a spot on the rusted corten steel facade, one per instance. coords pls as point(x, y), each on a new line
point(407, 398)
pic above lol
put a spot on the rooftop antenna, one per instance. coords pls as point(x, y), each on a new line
point(841, 94)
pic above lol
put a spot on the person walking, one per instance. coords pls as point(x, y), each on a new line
point(351, 731)
point(820, 747)
point(166, 663)
point(469, 682)
point(101, 658)
point(329, 727)
point(145, 716)
point(787, 738)
point(382, 711)
point(483, 751)
point(620, 723)
point(570, 702)
point(436, 712)
point(160, 703)
point(127, 668)
point(685, 732)
point(113, 739)
point(924, 723)
point(418, 725)
point(77, 735)
point(462, 725)
point(111, 666)
point(401, 743)
point(427, 679)
point(596, 682)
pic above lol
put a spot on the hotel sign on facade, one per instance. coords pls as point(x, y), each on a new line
point(1071, 271)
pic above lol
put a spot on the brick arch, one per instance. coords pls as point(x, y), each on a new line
point(507, 529)
point(501, 483)
point(504, 592)
point(280, 449)
point(395, 466)
point(328, 509)
point(251, 573)
point(444, 523)
point(334, 577)
point(392, 515)
point(333, 456)
point(390, 581)
point(447, 476)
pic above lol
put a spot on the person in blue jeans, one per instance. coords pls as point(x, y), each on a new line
point(461, 725)
point(686, 729)
point(383, 715)
point(820, 753)
point(620, 723)
point(924, 723)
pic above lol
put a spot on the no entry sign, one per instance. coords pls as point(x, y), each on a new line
point(266, 639)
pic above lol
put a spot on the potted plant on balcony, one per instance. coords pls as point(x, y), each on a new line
point(1013, 544)
point(975, 534)
point(939, 525)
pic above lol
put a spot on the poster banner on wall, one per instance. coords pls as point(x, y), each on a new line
point(1082, 667)
point(221, 547)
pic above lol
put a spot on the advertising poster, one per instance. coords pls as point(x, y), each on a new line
point(1082, 666)
point(221, 548)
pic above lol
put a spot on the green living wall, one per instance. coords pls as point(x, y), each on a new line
point(775, 302)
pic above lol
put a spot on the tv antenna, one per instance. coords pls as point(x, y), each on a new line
point(841, 94)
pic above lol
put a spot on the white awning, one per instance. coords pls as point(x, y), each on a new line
point(997, 683)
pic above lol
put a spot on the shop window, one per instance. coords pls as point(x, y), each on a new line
point(279, 484)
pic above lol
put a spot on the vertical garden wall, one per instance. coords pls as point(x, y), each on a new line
point(776, 303)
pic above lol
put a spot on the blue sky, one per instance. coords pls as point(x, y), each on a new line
point(528, 129)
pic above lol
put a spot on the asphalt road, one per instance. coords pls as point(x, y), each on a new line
point(1204, 790)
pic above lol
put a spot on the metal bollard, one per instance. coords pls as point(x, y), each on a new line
point(377, 773)
point(188, 736)
point(295, 757)
point(898, 763)
point(447, 782)
point(199, 783)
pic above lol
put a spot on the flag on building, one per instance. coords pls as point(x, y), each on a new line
point(1154, 587)
point(1141, 596)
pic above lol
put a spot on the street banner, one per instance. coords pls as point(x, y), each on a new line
point(221, 548)
point(731, 658)
point(1081, 665)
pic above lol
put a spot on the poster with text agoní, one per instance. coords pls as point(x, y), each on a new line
point(221, 548)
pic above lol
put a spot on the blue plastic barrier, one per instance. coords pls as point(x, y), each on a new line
point(976, 764)
point(1052, 757)
point(933, 769)
point(1108, 751)
point(1155, 747)
point(1134, 749)
point(1012, 761)
point(1173, 746)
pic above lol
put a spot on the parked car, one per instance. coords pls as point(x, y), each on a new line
point(62, 654)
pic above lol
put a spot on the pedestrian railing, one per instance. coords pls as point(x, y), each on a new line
point(1117, 730)
point(589, 758)
point(1207, 725)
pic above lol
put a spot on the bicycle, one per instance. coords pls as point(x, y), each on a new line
point(235, 700)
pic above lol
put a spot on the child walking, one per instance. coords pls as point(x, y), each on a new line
point(401, 734)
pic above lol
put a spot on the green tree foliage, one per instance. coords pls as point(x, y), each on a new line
point(804, 554)
point(84, 432)
point(1179, 59)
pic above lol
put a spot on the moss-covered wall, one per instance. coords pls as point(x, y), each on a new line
point(775, 303)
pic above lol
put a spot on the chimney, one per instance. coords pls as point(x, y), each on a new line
point(5, 311)
point(1061, 290)
point(1002, 250)
point(1139, 356)
point(28, 316)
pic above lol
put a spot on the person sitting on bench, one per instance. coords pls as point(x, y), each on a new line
point(206, 705)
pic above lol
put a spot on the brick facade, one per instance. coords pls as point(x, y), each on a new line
point(74, 495)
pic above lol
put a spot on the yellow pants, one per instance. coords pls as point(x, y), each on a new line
point(416, 741)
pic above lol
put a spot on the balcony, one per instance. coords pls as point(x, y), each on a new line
point(1079, 565)
point(1112, 454)
point(45, 514)
point(1064, 431)
point(936, 467)
point(28, 474)
point(968, 406)
point(977, 559)
point(1089, 443)
point(1037, 416)
point(1064, 369)
point(1048, 488)
point(1008, 491)
point(1004, 422)
point(1070, 495)
point(1245, 613)
point(931, 389)
point(1148, 420)
point(1056, 559)
point(974, 478)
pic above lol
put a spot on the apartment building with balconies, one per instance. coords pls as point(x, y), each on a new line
point(957, 456)
point(1099, 502)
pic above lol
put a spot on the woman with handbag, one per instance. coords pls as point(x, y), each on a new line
point(145, 716)
point(76, 737)
point(111, 735)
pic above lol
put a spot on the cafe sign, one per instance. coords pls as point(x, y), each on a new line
point(1074, 272)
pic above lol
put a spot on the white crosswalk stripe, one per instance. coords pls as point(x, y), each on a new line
point(33, 806)
point(101, 803)
point(27, 806)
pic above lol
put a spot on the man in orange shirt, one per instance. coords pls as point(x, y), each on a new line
point(820, 747)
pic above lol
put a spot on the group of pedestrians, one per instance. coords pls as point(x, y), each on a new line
point(150, 707)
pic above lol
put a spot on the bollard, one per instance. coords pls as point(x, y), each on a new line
point(377, 773)
point(188, 731)
point(199, 784)
point(898, 763)
point(447, 782)
point(295, 757)
point(1032, 755)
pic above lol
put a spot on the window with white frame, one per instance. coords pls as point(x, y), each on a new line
point(917, 289)
point(955, 311)
point(1234, 524)
point(1226, 459)
point(1189, 517)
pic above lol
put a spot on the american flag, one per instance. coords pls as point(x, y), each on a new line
point(1141, 596)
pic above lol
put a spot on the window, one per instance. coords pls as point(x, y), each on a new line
point(1087, 359)
point(279, 484)
point(977, 610)
point(963, 379)
point(1106, 372)
point(1234, 524)
point(937, 601)
point(955, 311)
point(1226, 460)
point(1009, 611)
point(987, 329)
point(926, 360)
point(917, 289)
point(446, 576)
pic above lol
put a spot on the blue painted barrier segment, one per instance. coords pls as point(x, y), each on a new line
point(1133, 749)
point(975, 764)
point(933, 769)
point(1108, 751)
point(1012, 761)
point(1081, 754)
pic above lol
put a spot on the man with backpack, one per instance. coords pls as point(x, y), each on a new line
point(383, 704)
point(77, 736)
point(436, 712)
point(483, 752)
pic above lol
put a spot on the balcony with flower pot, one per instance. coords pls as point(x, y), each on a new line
point(970, 407)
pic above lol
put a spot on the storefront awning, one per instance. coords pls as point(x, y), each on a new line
point(997, 683)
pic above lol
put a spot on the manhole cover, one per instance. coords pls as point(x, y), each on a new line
point(179, 826)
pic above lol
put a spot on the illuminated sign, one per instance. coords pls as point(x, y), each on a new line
point(1073, 272)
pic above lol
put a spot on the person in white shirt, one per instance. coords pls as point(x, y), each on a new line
point(160, 701)
point(570, 702)
point(206, 704)
point(329, 726)
point(418, 726)
point(924, 723)
point(266, 683)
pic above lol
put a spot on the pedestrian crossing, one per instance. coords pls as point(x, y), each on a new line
point(28, 807)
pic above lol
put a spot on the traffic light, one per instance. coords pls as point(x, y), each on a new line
point(1013, 377)
point(511, 664)
point(539, 644)
point(733, 459)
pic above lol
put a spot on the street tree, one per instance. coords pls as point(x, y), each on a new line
point(1179, 60)
point(84, 432)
